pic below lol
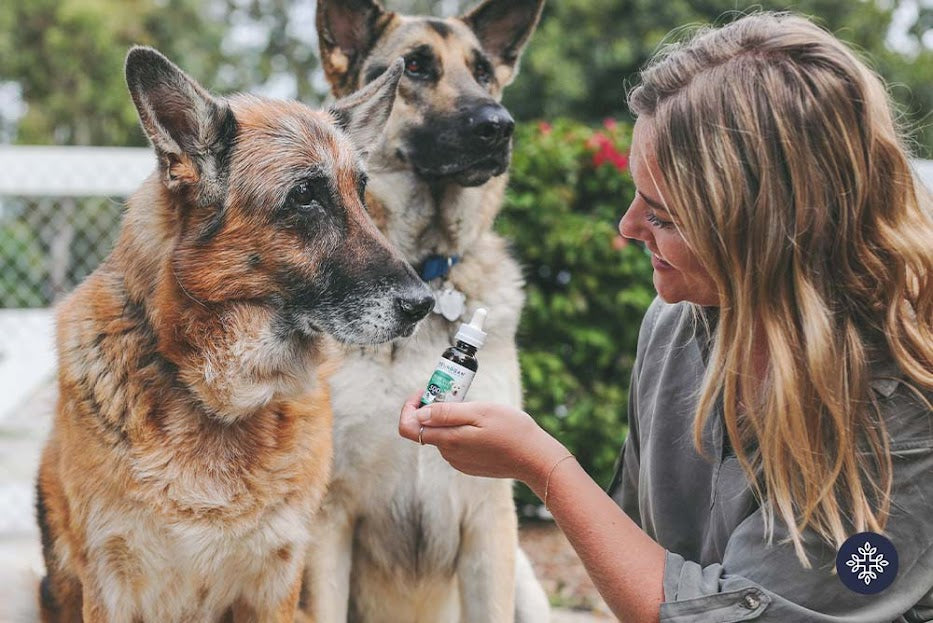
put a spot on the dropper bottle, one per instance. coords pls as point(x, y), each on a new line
point(458, 365)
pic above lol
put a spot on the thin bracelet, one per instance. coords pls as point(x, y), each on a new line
point(547, 482)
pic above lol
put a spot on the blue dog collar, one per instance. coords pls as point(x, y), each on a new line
point(435, 266)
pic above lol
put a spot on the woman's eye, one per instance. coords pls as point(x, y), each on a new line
point(656, 222)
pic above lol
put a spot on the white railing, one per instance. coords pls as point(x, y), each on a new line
point(33, 171)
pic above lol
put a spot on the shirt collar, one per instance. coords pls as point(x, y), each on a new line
point(885, 376)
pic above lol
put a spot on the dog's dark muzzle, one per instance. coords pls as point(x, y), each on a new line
point(367, 302)
point(468, 147)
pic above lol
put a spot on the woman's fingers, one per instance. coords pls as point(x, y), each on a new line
point(440, 415)
point(408, 424)
point(445, 414)
point(414, 399)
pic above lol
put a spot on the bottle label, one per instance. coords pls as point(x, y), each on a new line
point(449, 383)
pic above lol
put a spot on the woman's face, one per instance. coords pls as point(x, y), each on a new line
point(678, 275)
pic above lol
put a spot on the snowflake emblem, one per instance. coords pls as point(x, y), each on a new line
point(868, 563)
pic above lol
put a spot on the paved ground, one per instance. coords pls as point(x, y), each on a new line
point(21, 436)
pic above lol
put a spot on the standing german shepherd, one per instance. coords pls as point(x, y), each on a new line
point(402, 537)
point(191, 445)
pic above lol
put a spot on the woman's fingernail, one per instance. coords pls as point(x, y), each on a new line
point(423, 414)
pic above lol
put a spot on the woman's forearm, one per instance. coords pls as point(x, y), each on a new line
point(626, 565)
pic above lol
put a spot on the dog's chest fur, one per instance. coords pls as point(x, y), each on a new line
point(408, 503)
point(181, 514)
point(193, 571)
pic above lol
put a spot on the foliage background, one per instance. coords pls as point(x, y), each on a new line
point(63, 58)
point(61, 82)
point(586, 289)
point(582, 70)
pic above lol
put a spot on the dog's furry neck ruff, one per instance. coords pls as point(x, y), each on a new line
point(229, 356)
point(423, 219)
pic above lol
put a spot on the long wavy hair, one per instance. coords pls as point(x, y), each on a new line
point(788, 177)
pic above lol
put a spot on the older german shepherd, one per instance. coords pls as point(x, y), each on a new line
point(402, 537)
point(190, 445)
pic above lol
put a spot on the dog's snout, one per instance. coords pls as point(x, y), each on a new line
point(492, 124)
point(415, 304)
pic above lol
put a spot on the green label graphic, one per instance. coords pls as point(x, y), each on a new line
point(449, 383)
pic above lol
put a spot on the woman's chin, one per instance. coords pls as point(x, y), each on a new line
point(668, 292)
point(672, 288)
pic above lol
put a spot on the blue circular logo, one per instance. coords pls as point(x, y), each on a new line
point(867, 563)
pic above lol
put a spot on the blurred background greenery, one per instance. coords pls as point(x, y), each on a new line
point(586, 289)
point(61, 82)
point(61, 60)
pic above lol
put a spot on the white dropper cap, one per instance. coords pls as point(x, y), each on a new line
point(473, 333)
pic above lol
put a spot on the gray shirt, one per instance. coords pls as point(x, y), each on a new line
point(719, 566)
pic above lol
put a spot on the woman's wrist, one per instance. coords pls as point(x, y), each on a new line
point(548, 452)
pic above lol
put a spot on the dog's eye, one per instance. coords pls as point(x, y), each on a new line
point(413, 65)
point(303, 197)
point(361, 186)
point(416, 66)
point(483, 74)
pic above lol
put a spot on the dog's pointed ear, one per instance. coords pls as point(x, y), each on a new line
point(503, 27)
point(346, 31)
point(363, 114)
point(191, 131)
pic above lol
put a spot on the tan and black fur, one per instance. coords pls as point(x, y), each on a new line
point(402, 537)
point(192, 439)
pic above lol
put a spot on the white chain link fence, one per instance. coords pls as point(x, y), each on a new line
point(60, 211)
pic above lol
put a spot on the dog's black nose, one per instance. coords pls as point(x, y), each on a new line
point(492, 124)
point(415, 304)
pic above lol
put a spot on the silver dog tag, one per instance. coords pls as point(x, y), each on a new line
point(449, 302)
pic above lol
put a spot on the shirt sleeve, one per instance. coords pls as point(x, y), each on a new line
point(624, 487)
point(761, 582)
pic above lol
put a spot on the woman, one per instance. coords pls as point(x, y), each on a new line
point(780, 400)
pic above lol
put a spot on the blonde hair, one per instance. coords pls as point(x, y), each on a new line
point(787, 176)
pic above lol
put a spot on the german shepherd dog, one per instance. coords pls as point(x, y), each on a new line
point(402, 537)
point(192, 438)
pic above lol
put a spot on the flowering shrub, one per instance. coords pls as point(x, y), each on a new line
point(587, 290)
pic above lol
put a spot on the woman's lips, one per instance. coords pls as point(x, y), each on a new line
point(659, 264)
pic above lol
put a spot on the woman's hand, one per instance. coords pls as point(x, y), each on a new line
point(487, 439)
point(483, 438)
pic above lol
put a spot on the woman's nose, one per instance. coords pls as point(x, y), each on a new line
point(628, 225)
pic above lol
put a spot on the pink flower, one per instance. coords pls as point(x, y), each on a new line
point(605, 151)
point(597, 141)
point(610, 124)
point(608, 153)
point(544, 127)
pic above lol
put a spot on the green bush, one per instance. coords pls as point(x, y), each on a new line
point(586, 290)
